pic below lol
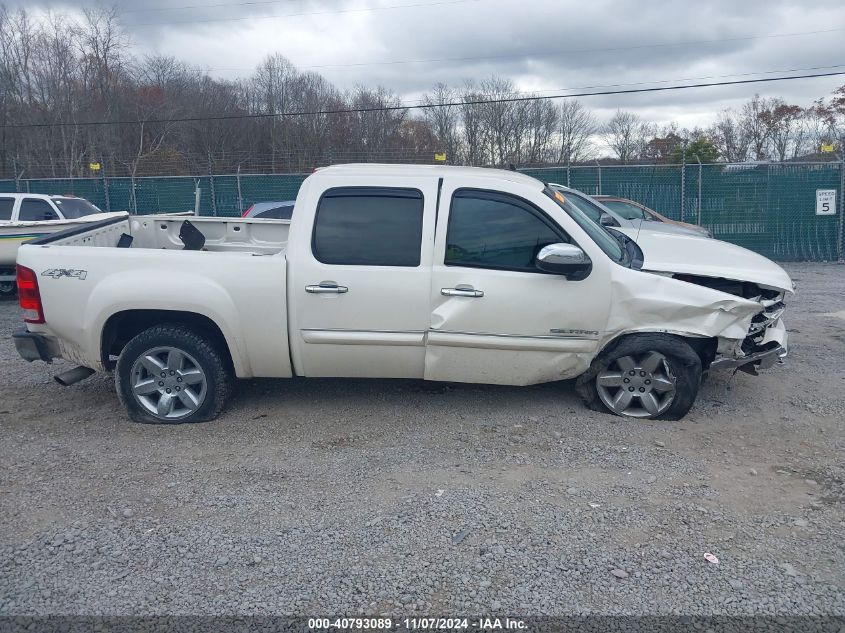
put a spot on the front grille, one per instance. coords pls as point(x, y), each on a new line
point(772, 311)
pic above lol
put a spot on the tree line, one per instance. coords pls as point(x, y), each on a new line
point(58, 74)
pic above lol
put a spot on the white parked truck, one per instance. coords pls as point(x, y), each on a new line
point(427, 272)
point(27, 216)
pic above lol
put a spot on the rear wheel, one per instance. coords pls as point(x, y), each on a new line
point(7, 288)
point(170, 374)
point(644, 376)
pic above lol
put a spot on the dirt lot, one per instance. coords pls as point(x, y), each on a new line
point(344, 497)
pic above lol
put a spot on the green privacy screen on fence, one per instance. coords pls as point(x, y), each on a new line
point(767, 207)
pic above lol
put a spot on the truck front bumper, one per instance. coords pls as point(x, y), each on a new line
point(33, 346)
point(771, 348)
point(759, 360)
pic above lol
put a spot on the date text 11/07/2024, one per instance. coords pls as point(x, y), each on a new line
point(418, 624)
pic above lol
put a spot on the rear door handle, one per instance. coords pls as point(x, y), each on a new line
point(461, 291)
point(325, 289)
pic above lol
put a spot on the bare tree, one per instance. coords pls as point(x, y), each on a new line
point(59, 74)
point(502, 122)
point(753, 118)
point(783, 122)
point(623, 134)
point(273, 83)
point(730, 137)
point(444, 119)
point(375, 128)
point(471, 126)
point(542, 124)
point(576, 127)
point(826, 120)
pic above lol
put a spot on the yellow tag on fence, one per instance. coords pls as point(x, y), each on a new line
point(440, 158)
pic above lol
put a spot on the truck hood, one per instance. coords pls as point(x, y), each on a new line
point(692, 255)
point(663, 227)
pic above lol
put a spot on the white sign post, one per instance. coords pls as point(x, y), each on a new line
point(825, 201)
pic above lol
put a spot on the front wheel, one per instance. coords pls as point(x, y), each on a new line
point(170, 374)
point(652, 376)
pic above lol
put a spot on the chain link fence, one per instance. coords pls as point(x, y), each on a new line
point(775, 209)
point(785, 211)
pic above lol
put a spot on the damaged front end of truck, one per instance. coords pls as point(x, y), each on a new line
point(765, 342)
point(735, 325)
point(728, 302)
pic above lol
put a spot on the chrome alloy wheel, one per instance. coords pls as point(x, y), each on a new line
point(168, 382)
point(637, 386)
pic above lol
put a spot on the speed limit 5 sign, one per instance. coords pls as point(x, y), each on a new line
point(825, 201)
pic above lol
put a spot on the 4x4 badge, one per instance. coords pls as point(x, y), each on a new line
point(58, 273)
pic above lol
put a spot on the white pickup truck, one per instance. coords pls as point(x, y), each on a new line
point(426, 272)
point(26, 216)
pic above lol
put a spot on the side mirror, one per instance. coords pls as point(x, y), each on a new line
point(564, 259)
point(608, 220)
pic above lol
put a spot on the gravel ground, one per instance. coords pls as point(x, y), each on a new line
point(318, 497)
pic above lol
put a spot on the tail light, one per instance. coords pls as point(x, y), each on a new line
point(29, 296)
point(246, 213)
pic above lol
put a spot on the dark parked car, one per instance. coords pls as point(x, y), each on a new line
point(270, 210)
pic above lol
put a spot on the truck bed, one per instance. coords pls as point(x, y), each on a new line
point(259, 237)
point(236, 281)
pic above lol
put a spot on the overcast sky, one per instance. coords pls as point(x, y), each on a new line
point(409, 45)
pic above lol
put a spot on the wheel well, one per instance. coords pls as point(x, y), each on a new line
point(703, 346)
point(122, 327)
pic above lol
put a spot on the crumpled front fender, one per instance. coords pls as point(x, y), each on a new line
point(654, 303)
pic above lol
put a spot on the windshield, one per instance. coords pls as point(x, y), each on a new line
point(73, 208)
point(588, 209)
point(601, 236)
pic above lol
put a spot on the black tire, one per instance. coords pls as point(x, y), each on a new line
point(8, 289)
point(682, 360)
point(211, 360)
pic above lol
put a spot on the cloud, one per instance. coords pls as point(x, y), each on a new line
point(541, 45)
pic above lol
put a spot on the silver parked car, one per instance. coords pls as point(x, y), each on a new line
point(633, 210)
point(605, 216)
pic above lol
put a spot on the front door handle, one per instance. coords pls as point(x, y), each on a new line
point(325, 289)
point(461, 291)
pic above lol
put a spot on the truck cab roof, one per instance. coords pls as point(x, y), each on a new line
point(435, 171)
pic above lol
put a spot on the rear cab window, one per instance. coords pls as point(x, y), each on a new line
point(369, 226)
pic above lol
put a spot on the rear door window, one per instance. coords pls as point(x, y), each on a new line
point(36, 210)
point(369, 226)
point(7, 205)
